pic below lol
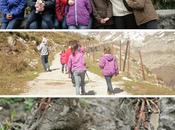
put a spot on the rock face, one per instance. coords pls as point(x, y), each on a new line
point(166, 19)
point(167, 116)
point(89, 114)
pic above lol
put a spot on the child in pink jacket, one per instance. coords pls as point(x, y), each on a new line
point(108, 64)
point(76, 65)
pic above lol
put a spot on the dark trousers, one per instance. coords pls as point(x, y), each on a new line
point(44, 59)
point(150, 25)
point(125, 22)
point(13, 24)
point(63, 67)
point(39, 21)
point(60, 25)
point(109, 84)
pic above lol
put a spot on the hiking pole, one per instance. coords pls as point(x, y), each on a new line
point(87, 76)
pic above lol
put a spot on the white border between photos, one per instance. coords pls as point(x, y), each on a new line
point(88, 30)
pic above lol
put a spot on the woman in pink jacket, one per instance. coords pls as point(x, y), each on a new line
point(76, 65)
point(108, 64)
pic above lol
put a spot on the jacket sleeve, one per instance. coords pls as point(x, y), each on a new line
point(50, 4)
point(95, 13)
point(136, 4)
point(89, 6)
point(20, 8)
point(4, 7)
point(101, 63)
point(109, 9)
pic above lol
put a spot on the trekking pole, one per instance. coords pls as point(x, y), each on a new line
point(87, 76)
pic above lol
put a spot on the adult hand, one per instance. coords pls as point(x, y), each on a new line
point(106, 19)
point(102, 21)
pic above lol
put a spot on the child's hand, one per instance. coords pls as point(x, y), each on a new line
point(9, 16)
point(71, 2)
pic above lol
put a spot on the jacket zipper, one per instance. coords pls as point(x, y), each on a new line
point(76, 13)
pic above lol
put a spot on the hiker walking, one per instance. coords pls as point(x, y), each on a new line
point(108, 64)
point(76, 65)
point(44, 52)
point(63, 61)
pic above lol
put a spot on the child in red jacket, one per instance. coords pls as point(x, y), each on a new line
point(61, 9)
point(63, 60)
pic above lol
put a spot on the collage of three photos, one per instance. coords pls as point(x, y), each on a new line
point(87, 65)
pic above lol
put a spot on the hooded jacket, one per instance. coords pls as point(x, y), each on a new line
point(61, 6)
point(15, 7)
point(77, 62)
point(143, 11)
point(108, 64)
point(79, 13)
point(63, 58)
point(43, 48)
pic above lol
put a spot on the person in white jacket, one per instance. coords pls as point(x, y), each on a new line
point(44, 52)
point(122, 18)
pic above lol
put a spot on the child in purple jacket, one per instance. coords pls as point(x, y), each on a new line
point(79, 14)
point(76, 65)
point(108, 64)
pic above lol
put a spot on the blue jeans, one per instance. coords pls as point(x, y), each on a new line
point(39, 21)
point(79, 78)
point(109, 84)
point(13, 24)
point(44, 59)
point(77, 27)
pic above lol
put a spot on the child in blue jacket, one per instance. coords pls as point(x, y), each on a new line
point(12, 13)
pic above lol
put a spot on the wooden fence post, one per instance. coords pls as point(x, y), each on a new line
point(126, 53)
point(142, 67)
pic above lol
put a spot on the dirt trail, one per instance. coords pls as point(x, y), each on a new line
point(55, 83)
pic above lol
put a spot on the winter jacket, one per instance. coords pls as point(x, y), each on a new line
point(61, 9)
point(49, 5)
point(79, 13)
point(143, 11)
point(102, 9)
point(108, 64)
point(63, 58)
point(43, 48)
point(68, 53)
point(15, 7)
point(77, 62)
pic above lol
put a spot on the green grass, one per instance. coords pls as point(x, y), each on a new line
point(142, 88)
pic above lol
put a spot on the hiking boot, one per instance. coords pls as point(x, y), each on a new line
point(110, 93)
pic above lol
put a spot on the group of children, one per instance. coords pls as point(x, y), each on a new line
point(79, 14)
point(73, 62)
